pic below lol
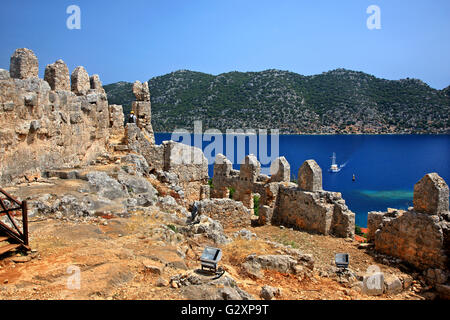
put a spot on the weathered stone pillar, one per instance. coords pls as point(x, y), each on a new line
point(57, 75)
point(431, 195)
point(280, 170)
point(250, 169)
point(23, 64)
point(96, 84)
point(81, 83)
point(310, 176)
point(142, 108)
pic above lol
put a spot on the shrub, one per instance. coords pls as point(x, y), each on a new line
point(256, 205)
point(232, 191)
point(358, 231)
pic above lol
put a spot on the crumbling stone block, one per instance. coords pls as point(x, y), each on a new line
point(81, 83)
point(57, 75)
point(310, 176)
point(250, 169)
point(141, 91)
point(280, 170)
point(96, 84)
point(431, 195)
point(228, 212)
point(24, 64)
point(116, 117)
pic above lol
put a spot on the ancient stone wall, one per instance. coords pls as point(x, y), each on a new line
point(228, 212)
point(306, 207)
point(421, 235)
point(188, 164)
point(62, 121)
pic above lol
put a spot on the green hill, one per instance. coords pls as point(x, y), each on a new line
point(338, 101)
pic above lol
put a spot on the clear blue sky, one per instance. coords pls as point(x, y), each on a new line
point(137, 40)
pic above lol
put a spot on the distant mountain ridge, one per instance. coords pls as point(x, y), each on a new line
point(338, 101)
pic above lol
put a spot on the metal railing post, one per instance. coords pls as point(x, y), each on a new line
point(25, 222)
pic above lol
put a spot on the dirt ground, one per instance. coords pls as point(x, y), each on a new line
point(113, 258)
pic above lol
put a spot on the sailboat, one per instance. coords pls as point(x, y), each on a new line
point(334, 167)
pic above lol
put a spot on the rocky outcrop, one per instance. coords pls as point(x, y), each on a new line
point(294, 264)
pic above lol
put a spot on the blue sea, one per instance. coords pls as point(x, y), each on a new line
point(386, 167)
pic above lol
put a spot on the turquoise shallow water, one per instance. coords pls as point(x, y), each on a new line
point(386, 166)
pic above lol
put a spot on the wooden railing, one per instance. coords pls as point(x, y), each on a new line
point(14, 209)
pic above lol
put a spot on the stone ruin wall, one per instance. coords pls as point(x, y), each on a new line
point(187, 164)
point(64, 121)
point(60, 121)
point(305, 206)
point(421, 235)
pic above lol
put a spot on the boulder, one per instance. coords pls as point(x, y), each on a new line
point(268, 292)
point(105, 186)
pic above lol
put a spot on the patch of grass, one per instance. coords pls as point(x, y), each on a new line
point(232, 191)
point(256, 205)
point(172, 227)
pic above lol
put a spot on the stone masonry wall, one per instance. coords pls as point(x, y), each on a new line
point(421, 235)
point(49, 124)
point(188, 164)
point(306, 207)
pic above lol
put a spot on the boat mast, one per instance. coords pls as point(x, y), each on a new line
point(333, 159)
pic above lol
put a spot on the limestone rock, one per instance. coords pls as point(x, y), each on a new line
point(393, 285)
point(81, 83)
point(431, 195)
point(268, 292)
point(24, 64)
point(57, 75)
point(310, 176)
point(282, 263)
point(373, 284)
point(105, 186)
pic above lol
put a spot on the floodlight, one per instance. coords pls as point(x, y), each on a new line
point(210, 258)
point(341, 260)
